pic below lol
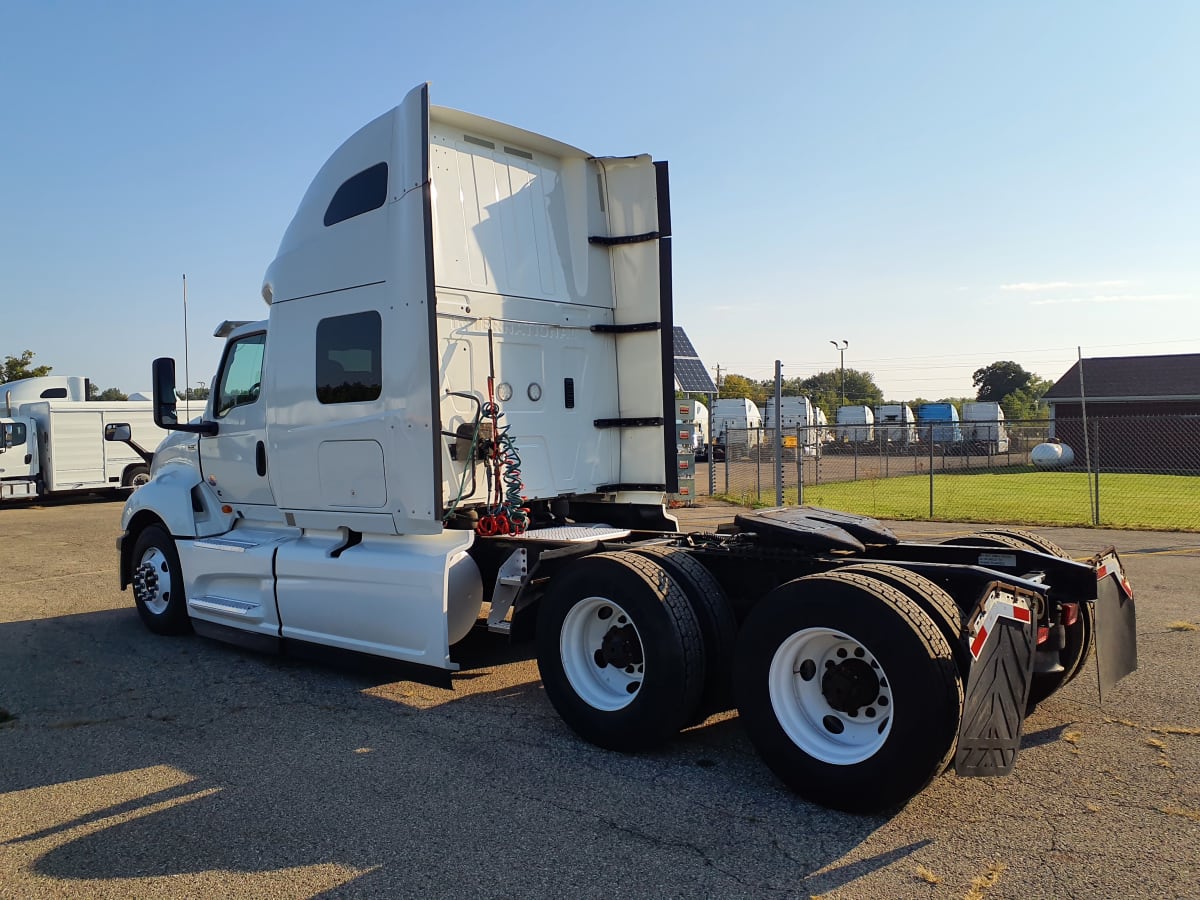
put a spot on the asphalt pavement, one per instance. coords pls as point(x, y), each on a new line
point(133, 765)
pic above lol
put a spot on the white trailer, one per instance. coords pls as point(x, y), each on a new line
point(855, 424)
point(798, 416)
point(460, 412)
point(983, 426)
point(56, 446)
point(895, 423)
point(737, 427)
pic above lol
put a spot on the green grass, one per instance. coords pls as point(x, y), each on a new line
point(1163, 502)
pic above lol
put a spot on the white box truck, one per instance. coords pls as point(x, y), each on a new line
point(55, 444)
point(459, 413)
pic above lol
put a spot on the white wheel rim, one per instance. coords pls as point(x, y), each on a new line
point(819, 680)
point(140, 479)
point(152, 581)
point(602, 654)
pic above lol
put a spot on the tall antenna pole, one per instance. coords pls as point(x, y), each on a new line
point(186, 380)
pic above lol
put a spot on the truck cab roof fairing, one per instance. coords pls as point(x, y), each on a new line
point(317, 258)
point(398, 138)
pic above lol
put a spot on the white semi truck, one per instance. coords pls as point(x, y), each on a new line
point(52, 439)
point(458, 413)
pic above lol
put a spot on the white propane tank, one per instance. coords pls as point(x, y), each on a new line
point(1052, 456)
point(464, 596)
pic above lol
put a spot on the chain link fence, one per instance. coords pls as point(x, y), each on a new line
point(1121, 472)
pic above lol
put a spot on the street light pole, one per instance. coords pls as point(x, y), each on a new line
point(841, 348)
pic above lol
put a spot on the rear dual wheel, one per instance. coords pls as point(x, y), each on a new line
point(714, 615)
point(620, 651)
point(1077, 646)
point(1079, 639)
point(848, 690)
point(950, 619)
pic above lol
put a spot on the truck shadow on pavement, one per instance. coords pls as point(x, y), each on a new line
point(135, 761)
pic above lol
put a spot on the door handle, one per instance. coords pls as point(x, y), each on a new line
point(260, 458)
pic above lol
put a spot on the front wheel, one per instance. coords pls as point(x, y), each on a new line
point(620, 651)
point(136, 476)
point(848, 690)
point(158, 583)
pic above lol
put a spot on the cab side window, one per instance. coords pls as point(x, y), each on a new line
point(348, 365)
point(14, 434)
point(241, 375)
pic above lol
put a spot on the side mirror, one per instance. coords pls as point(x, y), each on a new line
point(166, 414)
point(6, 437)
point(118, 431)
point(166, 410)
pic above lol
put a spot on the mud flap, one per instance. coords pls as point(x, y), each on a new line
point(1116, 622)
point(1002, 637)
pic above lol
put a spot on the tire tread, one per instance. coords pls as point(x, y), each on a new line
point(642, 725)
point(865, 786)
point(714, 614)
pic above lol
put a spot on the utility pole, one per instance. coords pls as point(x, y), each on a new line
point(841, 348)
point(779, 434)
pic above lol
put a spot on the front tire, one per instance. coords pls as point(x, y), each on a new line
point(620, 651)
point(157, 581)
point(136, 476)
point(848, 690)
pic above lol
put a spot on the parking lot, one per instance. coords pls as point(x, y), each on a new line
point(136, 765)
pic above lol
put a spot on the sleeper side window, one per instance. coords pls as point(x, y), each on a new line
point(241, 375)
point(348, 366)
point(358, 194)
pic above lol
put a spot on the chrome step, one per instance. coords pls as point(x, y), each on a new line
point(227, 606)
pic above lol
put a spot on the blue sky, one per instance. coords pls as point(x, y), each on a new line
point(941, 184)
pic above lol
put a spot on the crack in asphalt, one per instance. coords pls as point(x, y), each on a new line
point(661, 843)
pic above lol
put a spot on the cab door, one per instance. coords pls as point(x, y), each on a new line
point(234, 460)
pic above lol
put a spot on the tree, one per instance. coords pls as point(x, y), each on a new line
point(1026, 403)
point(111, 394)
point(734, 386)
point(997, 381)
point(825, 390)
point(18, 367)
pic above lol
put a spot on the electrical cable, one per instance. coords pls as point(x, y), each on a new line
point(505, 510)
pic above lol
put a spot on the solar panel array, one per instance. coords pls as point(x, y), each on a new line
point(691, 375)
